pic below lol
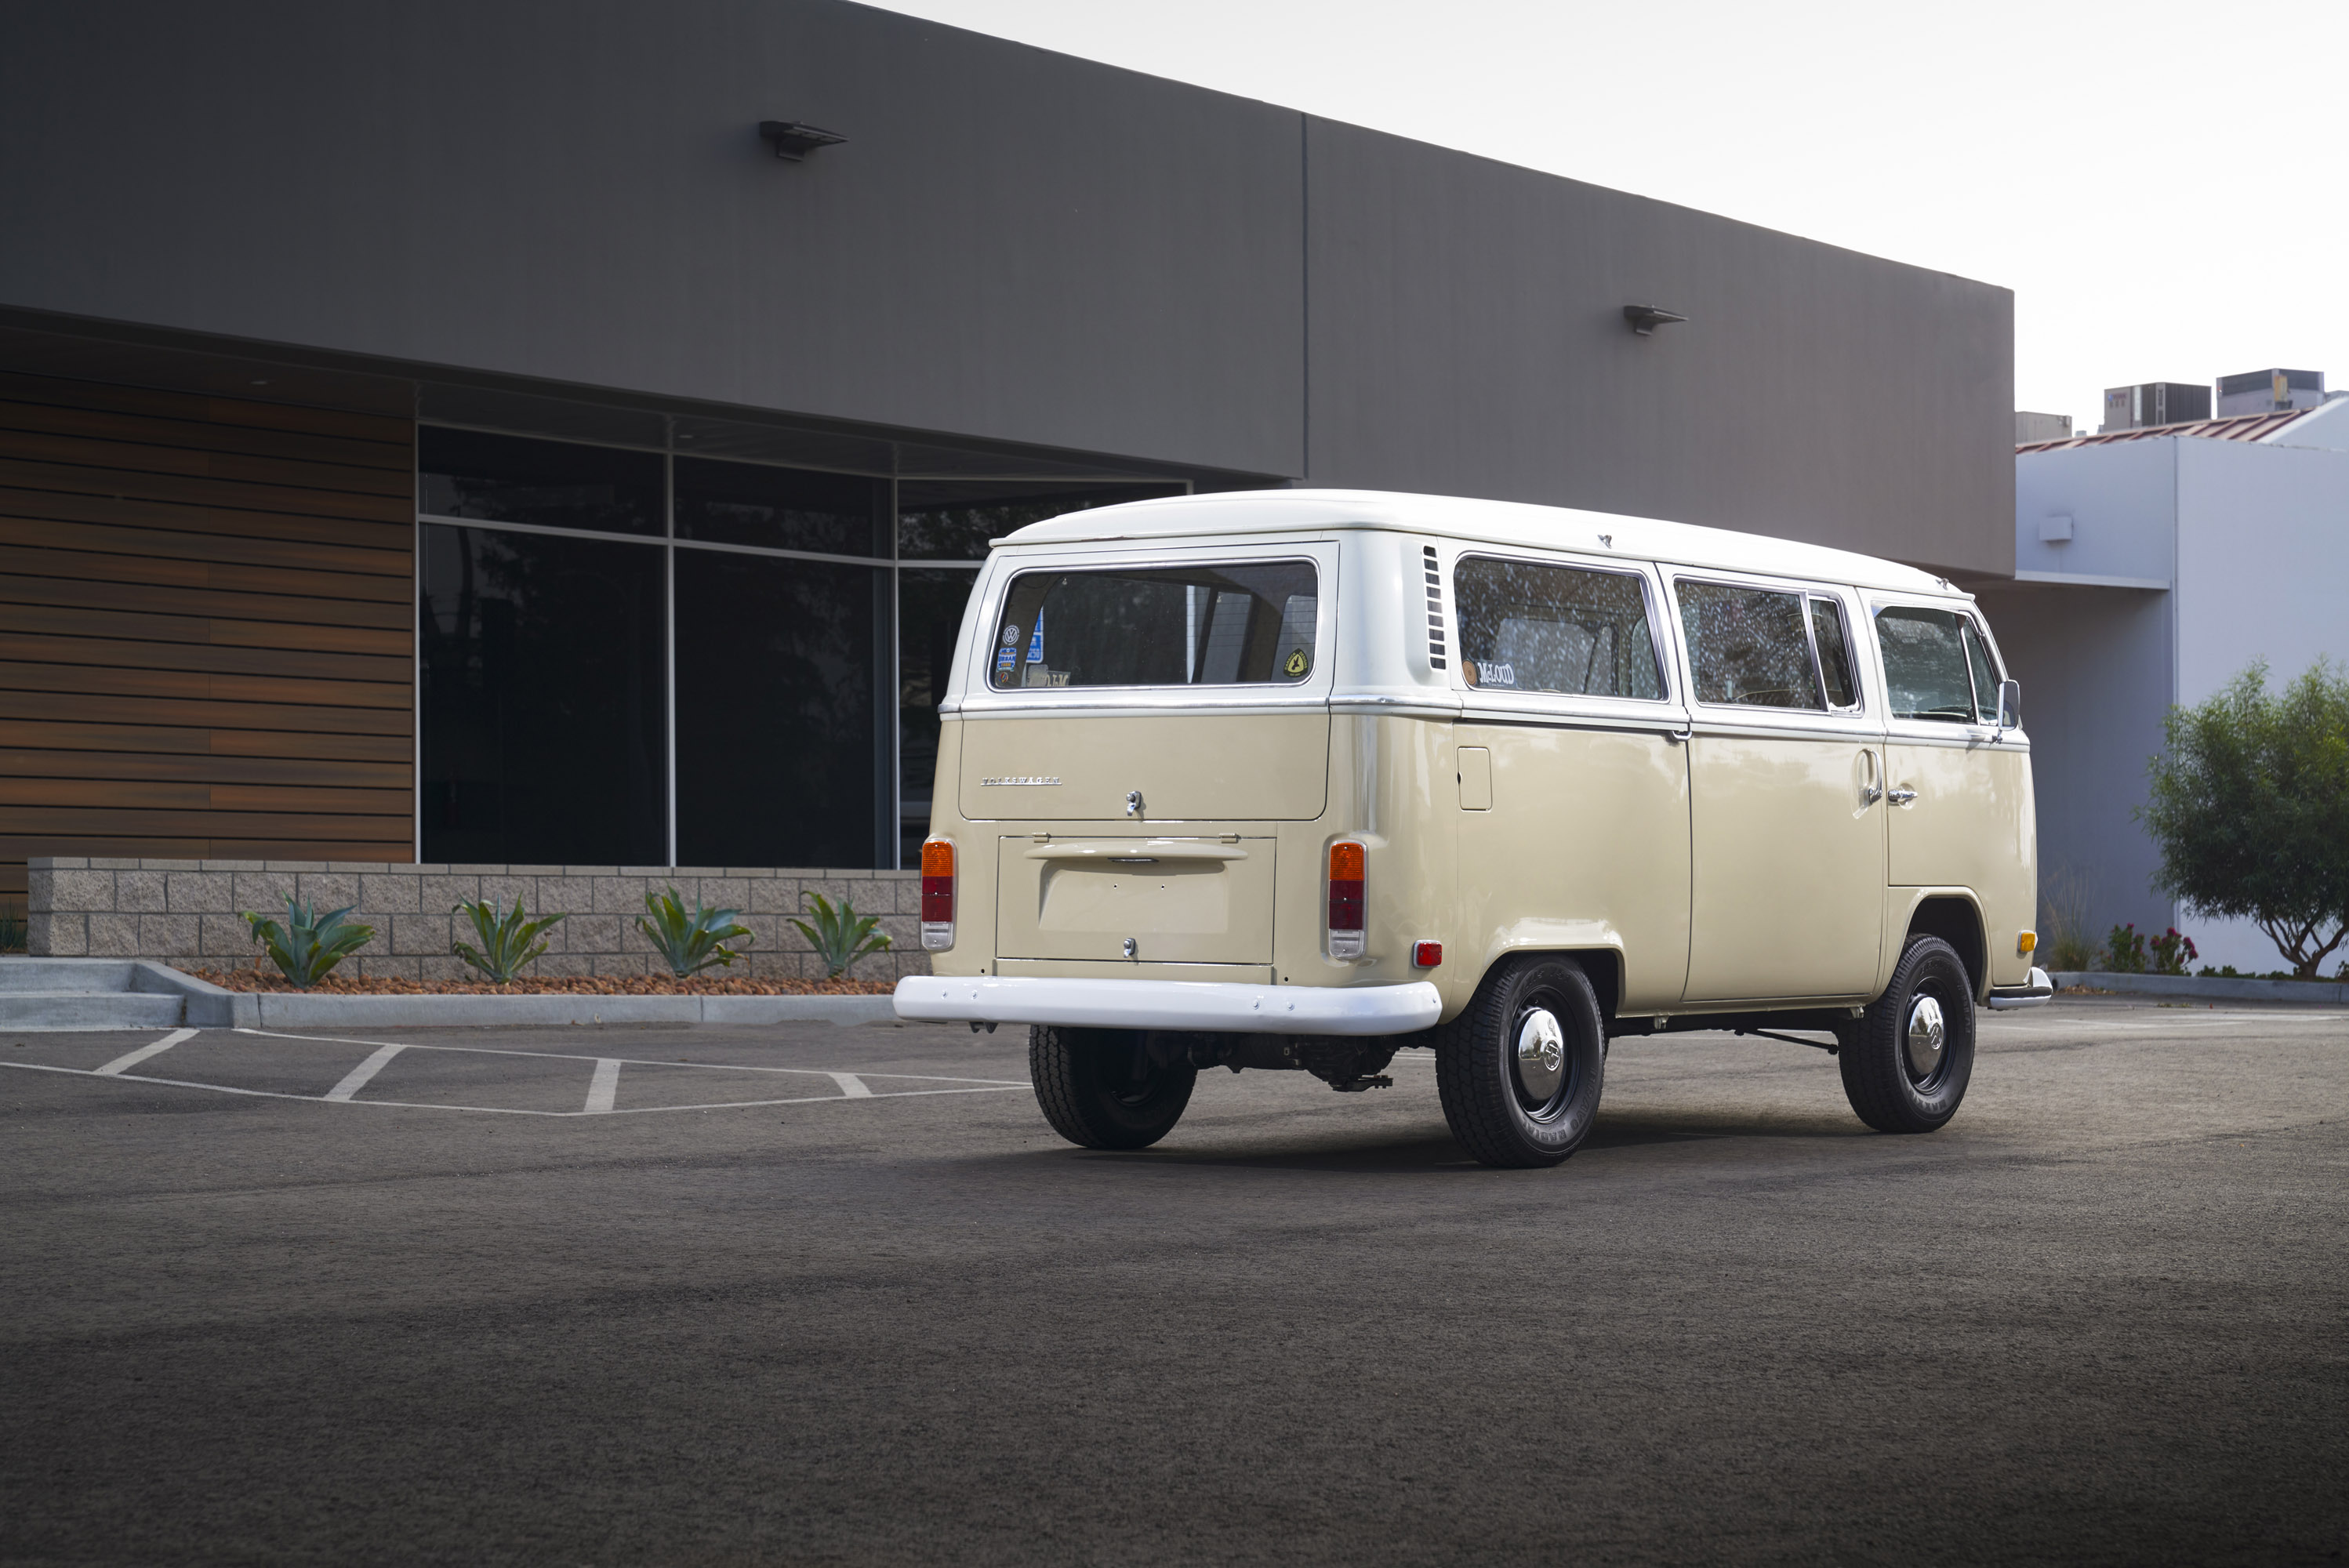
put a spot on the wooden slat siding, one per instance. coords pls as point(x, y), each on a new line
point(240, 522)
point(165, 740)
point(158, 543)
point(206, 628)
point(219, 772)
point(290, 664)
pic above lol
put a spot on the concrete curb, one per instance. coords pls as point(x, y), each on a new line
point(137, 994)
point(293, 1010)
point(2209, 988)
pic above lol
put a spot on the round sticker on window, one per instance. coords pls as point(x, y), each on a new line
point(1299, 661)
point(1010, 636)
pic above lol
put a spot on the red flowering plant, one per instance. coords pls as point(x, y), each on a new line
point(2171, 952)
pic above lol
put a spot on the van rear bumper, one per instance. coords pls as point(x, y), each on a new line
point(1218, 1006)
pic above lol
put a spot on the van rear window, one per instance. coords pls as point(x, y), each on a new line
point(1246, 624)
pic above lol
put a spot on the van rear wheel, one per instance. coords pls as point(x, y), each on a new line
point(1906, 1062)
point(1520, 1071)
point(1101, 1089)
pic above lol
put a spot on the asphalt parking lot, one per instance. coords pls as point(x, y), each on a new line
point(670, 1294)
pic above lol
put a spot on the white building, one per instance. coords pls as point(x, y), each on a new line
point(2152, 566)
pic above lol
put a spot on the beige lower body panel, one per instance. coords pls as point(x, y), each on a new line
point(1086, 969)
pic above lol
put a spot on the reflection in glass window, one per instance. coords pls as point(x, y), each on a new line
point(554, 484)
point(952, 519)
point(930, 603)
point(1835, 652)
point(542, 682)
point(781, 508)
point(777, 745)
point(1525, 626)
point(1925, 673)
point(1748, 647)
point(1249, 623)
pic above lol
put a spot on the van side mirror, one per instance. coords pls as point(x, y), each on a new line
point(2010, 704)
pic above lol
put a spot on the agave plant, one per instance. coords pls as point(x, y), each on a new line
point(691, 943)
point(506, 939)
point(840, 935)
point(309, 943)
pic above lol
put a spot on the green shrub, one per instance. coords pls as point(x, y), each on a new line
point(689, 944)
point(840, 935)
point(506, 939)
point(309, 943)
point(2125, 950)
point(2250, 808)
point(2171, 952)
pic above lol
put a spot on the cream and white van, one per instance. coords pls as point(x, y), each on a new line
point(1299, 779)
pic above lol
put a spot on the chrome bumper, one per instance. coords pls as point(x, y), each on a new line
point(1213, 1006)
point(2033, 994)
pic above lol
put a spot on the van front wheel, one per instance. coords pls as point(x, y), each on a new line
point(1520, 1070)
point(1101, 1089)
point(1906, 1062)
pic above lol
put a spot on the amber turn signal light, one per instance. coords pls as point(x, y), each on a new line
point(2028, 944)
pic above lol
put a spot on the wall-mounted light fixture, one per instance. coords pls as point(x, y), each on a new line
point(794, 140)
point(1646, 318)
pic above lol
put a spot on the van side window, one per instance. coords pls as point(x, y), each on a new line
point(1984, 673)
point(1926, 658)
point(1748, 646)
point(1528, 626)
point(1235, 624)
point(1835, 652)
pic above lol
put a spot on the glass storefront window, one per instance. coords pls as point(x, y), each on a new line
point(781, 508)
point(554, 484)
point(930, 602)
point(952, 519)
point(540, 666)
point(779, 754)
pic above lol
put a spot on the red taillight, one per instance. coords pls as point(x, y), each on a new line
point(1426, 954)
point(1345, 922)
point(937, 894)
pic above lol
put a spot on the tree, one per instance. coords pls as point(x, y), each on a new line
point(2250, 808)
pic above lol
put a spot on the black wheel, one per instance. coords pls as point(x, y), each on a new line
point(1100, 1089)
point(1905, 1063)
point(1520, 1070)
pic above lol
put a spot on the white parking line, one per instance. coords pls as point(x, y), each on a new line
point(604, 1088)
point(629, 1061)
point(124, 1064)
point(851, 1086)
point(357, 1079)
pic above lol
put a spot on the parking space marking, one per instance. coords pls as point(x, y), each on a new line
point(357, 1079)
point(120, 1065)
point(604, 1085)
point(605, 1088)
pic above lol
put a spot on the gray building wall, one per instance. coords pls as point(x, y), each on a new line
point(1013, 246)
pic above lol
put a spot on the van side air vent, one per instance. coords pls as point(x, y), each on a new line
point(1435, 655)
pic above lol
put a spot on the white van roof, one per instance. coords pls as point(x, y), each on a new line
point(1490, 521)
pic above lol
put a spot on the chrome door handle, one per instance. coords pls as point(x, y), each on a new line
point(1678, 737)
point(1871, 795)
point(1873, 790)
point(1901, 797)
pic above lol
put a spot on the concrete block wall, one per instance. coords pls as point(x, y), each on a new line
point(188, 914)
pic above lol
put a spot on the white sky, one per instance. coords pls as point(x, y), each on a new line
point(2165, 187)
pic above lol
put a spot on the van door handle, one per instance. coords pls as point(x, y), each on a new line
point(1678, 737)
point(1873, 790)
point(1901, 797)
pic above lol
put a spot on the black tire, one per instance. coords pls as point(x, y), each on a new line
point(1100, 1089)
point(1893, 1087)
point(1521, 1113)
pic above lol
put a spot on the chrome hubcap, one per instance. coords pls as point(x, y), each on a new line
point(1927, 1037)
point(1541, 1055)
